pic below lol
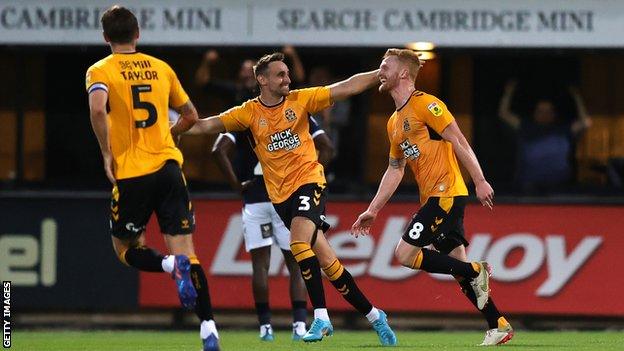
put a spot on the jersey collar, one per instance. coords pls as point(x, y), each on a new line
point(406, 101)
point(274, 105)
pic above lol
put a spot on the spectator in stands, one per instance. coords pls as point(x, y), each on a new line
point(244, 87)
point(545, 142)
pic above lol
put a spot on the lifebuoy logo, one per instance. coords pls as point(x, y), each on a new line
point(373, 257)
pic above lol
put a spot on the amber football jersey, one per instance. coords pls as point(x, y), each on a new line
point(140, 90)
point(282, 140)
point(414, 131)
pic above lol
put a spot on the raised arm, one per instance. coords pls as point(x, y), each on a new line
point(583, 121)
point(389, 183)
point(354, 85)
point(467, 157)
point(504, 107)
point(298, 72)
point(188, 118)
point(99, 123)
point(202, 75)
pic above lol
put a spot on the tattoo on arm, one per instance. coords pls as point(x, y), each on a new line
point(185, 109)
point(396, 163)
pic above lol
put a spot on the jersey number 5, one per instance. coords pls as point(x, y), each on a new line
point(137, 104)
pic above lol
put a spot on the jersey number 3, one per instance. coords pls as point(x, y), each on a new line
point(137, 104)
point(305, 203)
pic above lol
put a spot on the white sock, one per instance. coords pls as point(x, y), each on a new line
point(206, 328)
point(373, 315)
point(167, 263)
point(321, 313)
point(265, 329)
point(299, 327)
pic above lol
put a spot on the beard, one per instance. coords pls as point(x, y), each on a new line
point(384, 87)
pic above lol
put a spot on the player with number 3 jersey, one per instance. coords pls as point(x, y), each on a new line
point(278, 123)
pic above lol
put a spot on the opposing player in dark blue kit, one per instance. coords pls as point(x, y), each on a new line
point(262, 225)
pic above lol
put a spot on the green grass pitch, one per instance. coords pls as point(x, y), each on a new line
point(232, 340)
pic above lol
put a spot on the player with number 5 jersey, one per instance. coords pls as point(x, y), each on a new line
point(140, 89)
point(129, 98)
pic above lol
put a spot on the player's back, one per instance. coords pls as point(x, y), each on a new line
point(140, 90)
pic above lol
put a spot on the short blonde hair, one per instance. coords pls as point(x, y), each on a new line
point(408, 57)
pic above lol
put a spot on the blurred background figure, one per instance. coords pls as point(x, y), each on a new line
point(545, 141)
point(244, 86)
point(332, 119)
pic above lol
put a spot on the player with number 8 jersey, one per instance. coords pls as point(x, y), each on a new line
point(424, 134)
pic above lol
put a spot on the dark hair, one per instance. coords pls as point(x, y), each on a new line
point(263, 63)
point(120, 25)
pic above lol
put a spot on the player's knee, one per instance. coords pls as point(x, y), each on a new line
point(260, 269)
point(406, 257)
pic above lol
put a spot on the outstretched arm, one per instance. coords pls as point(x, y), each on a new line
point(467, 157)
point(188, 118)
point(210, 125)
point(504, 107)
point(354, 85)
point(389, 183)
point(99, 123)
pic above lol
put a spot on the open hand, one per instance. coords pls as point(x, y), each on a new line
point(363, 224)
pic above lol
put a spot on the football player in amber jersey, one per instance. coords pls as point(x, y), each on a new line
point(143, 163)
point(424, 134)
point(295, 180)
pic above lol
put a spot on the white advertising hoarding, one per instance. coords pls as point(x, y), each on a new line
point(454, 23)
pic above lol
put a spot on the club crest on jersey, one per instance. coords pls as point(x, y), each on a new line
point(290, 115)
point(435, 109)
point(410, 152)
point(262, 122)
point(406, 125)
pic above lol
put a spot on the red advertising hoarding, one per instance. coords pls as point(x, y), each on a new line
point(546, 259)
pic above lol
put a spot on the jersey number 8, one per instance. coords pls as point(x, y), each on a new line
point(417, 228)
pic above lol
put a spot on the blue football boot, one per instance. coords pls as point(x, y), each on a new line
point(318, 330)
point(385, 334)
point(182, 276)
